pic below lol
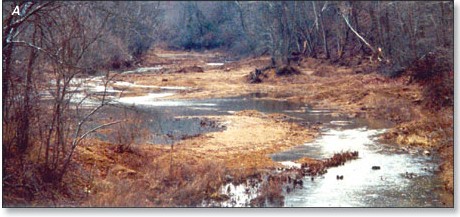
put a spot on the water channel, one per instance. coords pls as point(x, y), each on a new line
point(405, 178)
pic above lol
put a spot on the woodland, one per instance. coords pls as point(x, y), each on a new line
point(66, 144)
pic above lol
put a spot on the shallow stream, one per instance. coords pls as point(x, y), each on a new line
point(405, 177)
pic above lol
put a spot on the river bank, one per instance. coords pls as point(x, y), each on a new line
point(234, 128)
point(355, 91)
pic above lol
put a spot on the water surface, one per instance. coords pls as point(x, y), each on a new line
point(404, 179)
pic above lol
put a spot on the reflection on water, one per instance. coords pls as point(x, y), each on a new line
point(390, 186)
point(240, 195)
point(403, 179)
point(215, 64)
point(165, 113)
point(143, 69)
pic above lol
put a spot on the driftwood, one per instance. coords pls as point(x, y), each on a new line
point(377, 54)
point(254, 76)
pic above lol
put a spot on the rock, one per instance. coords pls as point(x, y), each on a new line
point(427, 153)
point(298, 182)
point(247, 189)
point(375, 167)
point(410, 175)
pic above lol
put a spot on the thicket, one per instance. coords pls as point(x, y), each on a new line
point(47, 49)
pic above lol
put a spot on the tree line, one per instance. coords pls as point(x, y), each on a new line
point(403, 30)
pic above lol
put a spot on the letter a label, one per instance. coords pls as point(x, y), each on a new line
point(16, 11)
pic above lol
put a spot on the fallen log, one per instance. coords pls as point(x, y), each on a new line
point(254, 76)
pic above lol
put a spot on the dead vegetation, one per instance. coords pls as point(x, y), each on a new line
point(258, 75)
point(145, 176)
point(189, 69)
point(351, 90)
point(132, 130)
point(271, 192)
point(48, 161)
point(121, 177)
point(320, 167)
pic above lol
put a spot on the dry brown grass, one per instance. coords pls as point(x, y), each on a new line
point(447, 168)
point(152, 175)
point(431, 130)
point(270, 194)
point(323, 85)
point(391, 108)
point(325, 71)
point(143, 177)
point(186, 185)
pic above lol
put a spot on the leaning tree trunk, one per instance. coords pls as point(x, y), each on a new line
point(357, 34)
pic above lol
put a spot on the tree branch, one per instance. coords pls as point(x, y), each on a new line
point(357, 34)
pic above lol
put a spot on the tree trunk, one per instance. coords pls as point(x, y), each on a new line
point(357, 34)
point(23, 130)
point(286, 49)
point(7, 54)
point(325, 46)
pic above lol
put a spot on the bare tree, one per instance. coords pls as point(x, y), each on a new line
point(60, 40)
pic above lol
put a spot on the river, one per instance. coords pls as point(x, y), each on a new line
point(404, 178)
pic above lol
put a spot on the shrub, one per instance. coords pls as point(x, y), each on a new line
point(434, 72)
point(132, 130)
point(270, 194)
point(432, 65)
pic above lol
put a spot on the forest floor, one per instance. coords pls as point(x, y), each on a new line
point(198, 166)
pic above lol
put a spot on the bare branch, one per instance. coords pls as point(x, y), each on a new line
point(357, 34)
